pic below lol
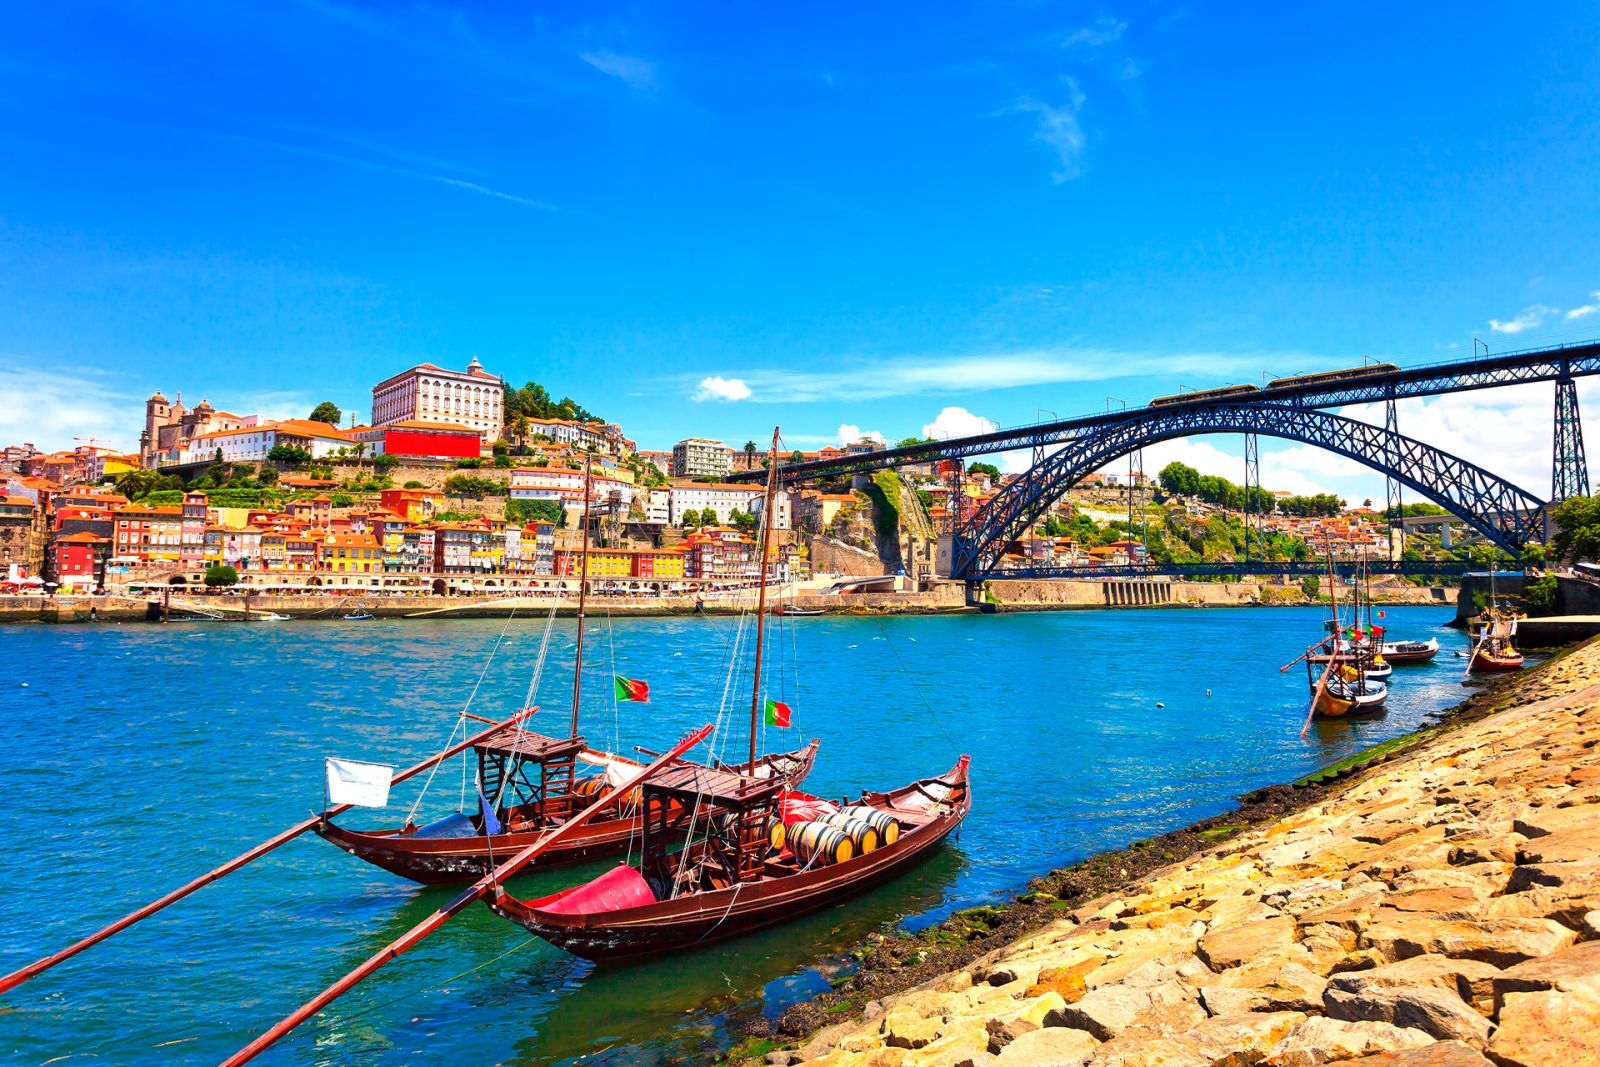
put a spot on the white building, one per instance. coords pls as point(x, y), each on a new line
point(602, 436)
point(782, 508)
point(699, 457)
point(250, 444)
point(657, 506)
point(427, 393)
point(565, 485)
point(723, 499)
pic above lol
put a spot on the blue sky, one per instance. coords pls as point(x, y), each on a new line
point(707, 219)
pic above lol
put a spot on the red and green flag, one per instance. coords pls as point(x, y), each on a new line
point(778, 714)
point(634, 689)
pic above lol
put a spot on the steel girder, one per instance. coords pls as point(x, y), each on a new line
point(1537, 365)
point(1569, 469)
point(1505, 514)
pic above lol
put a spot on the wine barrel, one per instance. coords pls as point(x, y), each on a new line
point(819, 843)
point(589, 790)
point(887, 826)
point(862, 834)
point(777, 834)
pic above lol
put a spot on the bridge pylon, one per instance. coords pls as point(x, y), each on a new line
point(1569, 469)
point(1393, 496)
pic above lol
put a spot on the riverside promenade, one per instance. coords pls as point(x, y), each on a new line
point(1441, 908)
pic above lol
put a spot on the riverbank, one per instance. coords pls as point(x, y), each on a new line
point(945, 598)
point(1440, 893)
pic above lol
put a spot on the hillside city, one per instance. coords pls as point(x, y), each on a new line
point(464, 484)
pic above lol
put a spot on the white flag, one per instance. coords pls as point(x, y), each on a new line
point(362, 784)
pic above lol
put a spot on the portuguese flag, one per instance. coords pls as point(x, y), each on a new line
point(634, 689)
point(778, 714)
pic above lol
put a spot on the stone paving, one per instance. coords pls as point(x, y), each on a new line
point(1442, 911)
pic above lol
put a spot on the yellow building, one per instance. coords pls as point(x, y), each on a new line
point(352, 553)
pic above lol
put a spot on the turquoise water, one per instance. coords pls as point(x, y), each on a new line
point(138, 756)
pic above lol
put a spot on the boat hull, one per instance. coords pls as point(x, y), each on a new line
point(441, 860)
point(1484, 661)
point(706, 918)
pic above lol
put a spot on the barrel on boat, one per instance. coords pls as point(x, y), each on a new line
point(819, 843)
point(777, 834)
point(590, 788)
point(887, 826)
point(862, 834)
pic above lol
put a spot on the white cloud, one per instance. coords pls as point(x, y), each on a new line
point(855, 379)
point(1059, 129)
point(1586, 309)
point(957, 422)
point(1102, 31)
point(849, 434)
point(64, 405)
point(1526, 319)
point(635, 72)
point(717, 387)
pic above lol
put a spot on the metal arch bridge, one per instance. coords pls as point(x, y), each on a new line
point(1508, 516)
point(1505, 514)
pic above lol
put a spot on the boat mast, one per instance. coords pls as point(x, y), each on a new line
point(761, 595)
point(583, 595)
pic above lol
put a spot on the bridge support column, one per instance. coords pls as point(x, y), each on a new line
point(1569, 469)
point(1252, 491)
point(1394, 504)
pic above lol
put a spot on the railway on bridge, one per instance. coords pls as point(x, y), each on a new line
point(1293, 409)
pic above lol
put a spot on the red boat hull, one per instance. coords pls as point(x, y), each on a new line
point(1483, 661)
point(704, 918)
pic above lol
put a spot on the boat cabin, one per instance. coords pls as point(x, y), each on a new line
point(732, 811)
point(529, 778)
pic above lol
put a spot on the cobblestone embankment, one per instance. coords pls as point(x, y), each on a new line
point(1441, 909)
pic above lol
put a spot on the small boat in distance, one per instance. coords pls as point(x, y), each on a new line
point(358, 616)
point(792, 610)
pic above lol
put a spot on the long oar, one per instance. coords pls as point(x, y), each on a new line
point(410, 938)
point(1308, 652)
point(1474, 653)
point(16, 978)
point(1316, 697)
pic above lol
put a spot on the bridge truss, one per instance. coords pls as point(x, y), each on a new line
point(1505, 514)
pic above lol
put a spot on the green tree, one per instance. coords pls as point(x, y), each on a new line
point(984, 468)
point(219, 575)
point(749, 455)
point(797, 456)
point(1311, 585)
point(1179, 479)
point(1539, 595)
point(1577, 536)
point(691, 519)
point(292, 455)
point(385, 462)
point(266, 475)
point(327, 412)
point(535, 511)
point(414, 485)
point(138, 483)
point(742, 519)
point(1533, 554)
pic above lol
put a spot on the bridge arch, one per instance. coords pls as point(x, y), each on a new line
point(1507, 515)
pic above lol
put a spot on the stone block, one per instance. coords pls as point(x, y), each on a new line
point(1055, 1046)
point(1547, 1029)
point(1265, 985)
point(1434, 1011)
point(1438, 1054)
point(1570, 970)
point(1502, 942)
point(1232, 946)
point(1319, 1040)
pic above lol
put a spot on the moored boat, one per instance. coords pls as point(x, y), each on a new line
point(733, 880)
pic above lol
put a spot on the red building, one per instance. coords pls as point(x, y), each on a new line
point(80, 560)
point(417, 437)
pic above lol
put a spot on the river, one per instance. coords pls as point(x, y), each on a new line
point(138, 756)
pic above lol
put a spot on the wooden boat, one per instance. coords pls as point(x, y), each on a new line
point(541, 791)
point(358, 616)
point(1497, 628)
point(732, 881)
point(791, 610)
point(759, 853)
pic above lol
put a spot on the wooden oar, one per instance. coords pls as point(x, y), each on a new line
point(1308, 652)
point(17, 977)
point(1316, 696)
point(410, 938)
point(1474, 653)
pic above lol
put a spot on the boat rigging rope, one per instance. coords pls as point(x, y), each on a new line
point(917, 688)
point(461, 719)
